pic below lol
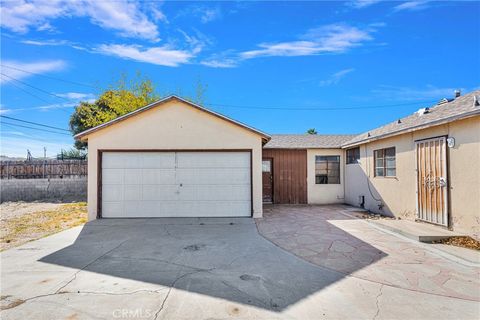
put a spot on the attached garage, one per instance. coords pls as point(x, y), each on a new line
point(174, 158)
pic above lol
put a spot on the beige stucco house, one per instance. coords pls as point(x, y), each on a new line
point(422, 167)
point(174, 158)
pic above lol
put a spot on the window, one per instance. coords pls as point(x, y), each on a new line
point(327, 169)
point(266, 165)
point(353, 155)
point(385, 162)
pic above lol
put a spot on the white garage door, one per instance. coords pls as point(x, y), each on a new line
point(176, 184)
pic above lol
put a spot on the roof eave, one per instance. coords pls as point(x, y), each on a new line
point(414, 128)
point(83, 136)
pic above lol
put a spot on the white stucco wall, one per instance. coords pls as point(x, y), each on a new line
point(398, 193)
point(170, 126)
point(324, 193)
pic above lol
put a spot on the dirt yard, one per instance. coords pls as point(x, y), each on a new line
point(26, 221)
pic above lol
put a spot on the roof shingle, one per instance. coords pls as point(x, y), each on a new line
point(307, 141)
point(461, 107)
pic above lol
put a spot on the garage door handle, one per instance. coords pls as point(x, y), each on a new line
point(181, 184)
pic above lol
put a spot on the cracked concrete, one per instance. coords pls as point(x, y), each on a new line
point(140, 269)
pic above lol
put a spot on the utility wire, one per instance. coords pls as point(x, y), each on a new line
point(49, 77)
point(34, 123)
point(28, 92)
point(36, 88)
point(322, 108)
point(39, 129)
point(286, 108)
point(32, 137)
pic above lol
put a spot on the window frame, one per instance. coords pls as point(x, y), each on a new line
point(356, 156)
point(383, 155)
point(338, 161)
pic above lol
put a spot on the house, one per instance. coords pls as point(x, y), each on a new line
point(424, 167)
point(176, 158)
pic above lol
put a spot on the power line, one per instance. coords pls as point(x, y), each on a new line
point(32, 137)
point(44, 130)
point(34, 123)
point(49, 77)
point(321, 108)
point(28, 92)
point(36, 88)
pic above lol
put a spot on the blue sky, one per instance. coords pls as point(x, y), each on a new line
point(265, 63)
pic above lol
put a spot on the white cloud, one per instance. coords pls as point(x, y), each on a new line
point(208, 15)
point(335, 38)
point(429, 92)
point(12, 68)
point(124, 16)
point(225, 63)
point(44, 43)
point(76, 95)
point(336, 77)
point(359, 4)
point(204, 13)
point(163, 56)
point(412, 6)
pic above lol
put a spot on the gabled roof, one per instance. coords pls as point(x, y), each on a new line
point(443, 112)
point(307, 141)
point(85, 133)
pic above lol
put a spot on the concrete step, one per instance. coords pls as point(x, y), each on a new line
point(417, 231)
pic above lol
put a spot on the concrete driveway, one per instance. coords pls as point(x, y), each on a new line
point(214, 269)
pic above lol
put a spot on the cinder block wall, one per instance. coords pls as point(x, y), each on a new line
point(43, 189)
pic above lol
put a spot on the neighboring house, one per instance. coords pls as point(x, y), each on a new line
point(175, 158)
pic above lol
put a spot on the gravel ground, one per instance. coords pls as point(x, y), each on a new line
point(10, 210)
point(26, 221)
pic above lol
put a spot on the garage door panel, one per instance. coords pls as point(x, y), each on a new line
point(158, 160)
point(113, 209)
point(132, 192)
point(160, 192)
point(220, 176)
point(133, 176)
point(113, 176)
point(224, 192)
point(218, 160)
point(159, 209)
point(113, 193)
point(181, 184)
point(158, 176)
point(121, 160)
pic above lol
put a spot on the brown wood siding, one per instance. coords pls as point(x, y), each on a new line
point(289, 175)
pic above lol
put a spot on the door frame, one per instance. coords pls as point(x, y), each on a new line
point(272, 178)
point(100, 153)
point(445, 158)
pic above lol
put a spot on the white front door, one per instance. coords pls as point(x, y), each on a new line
point(176, 184)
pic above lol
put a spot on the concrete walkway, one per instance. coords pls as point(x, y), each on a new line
point(218, 269)
point(329, 237)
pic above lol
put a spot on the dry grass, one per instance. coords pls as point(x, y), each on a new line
point(464, 242)
point(36, 225)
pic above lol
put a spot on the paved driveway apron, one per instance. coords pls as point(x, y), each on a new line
point(223, 268)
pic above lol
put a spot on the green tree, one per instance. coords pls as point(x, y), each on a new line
point(312, 131)
point(124, 97)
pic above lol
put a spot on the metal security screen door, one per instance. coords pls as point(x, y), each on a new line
point(432, 187)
